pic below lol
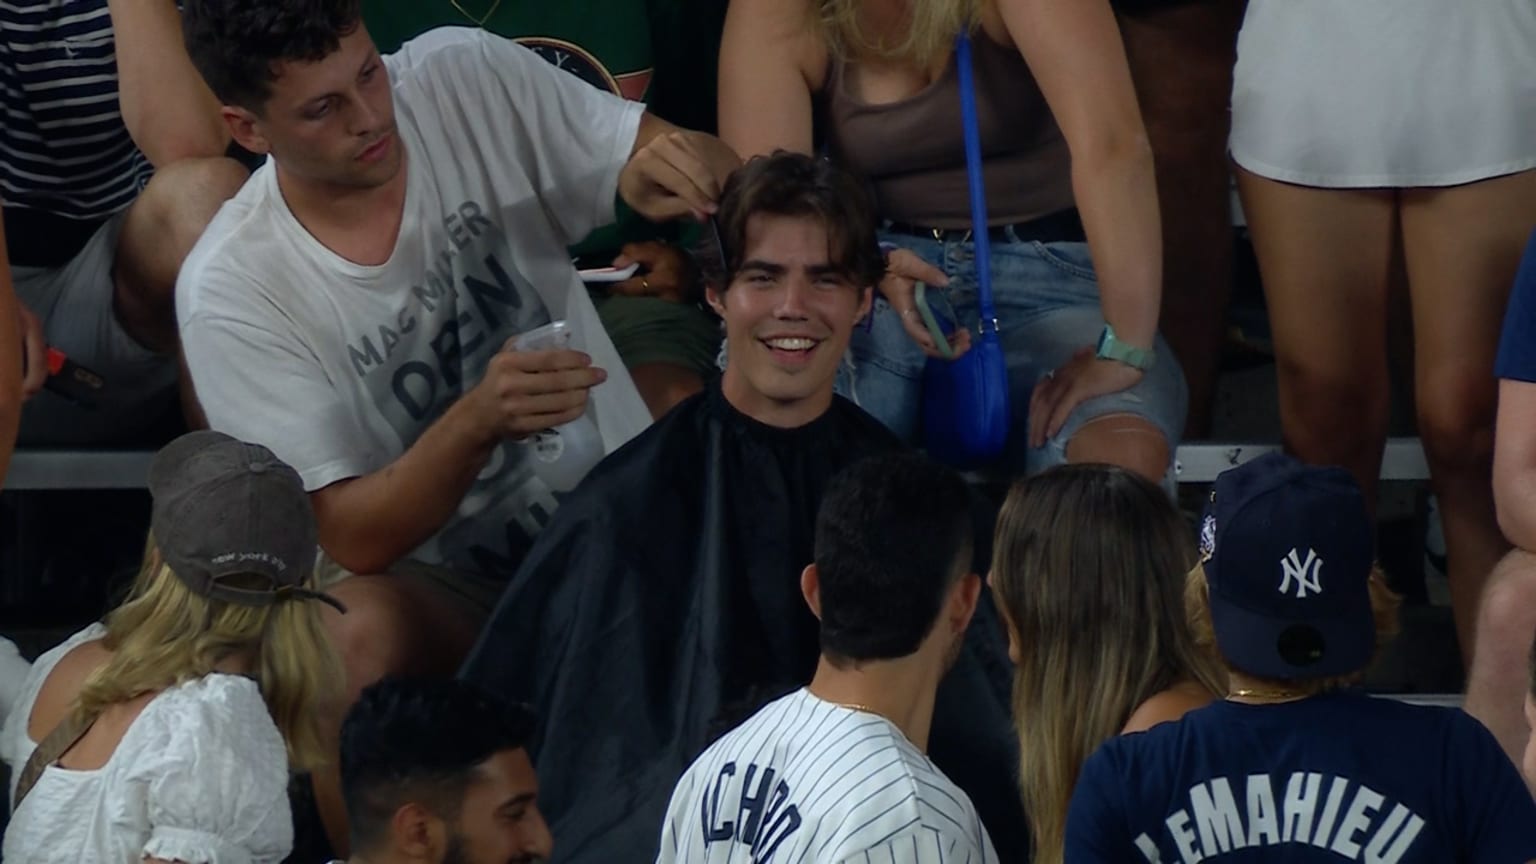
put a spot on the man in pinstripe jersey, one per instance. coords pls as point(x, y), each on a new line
point(836, 772)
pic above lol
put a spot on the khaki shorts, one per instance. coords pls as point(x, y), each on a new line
point(646, 330)
point(480, 593)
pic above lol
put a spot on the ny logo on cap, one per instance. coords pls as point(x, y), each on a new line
point(1307, 574)
point(1207, 538)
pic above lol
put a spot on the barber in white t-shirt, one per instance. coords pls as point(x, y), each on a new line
point(350, 307)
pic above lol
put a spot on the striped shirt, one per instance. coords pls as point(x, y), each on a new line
point(806, 781)
point(64, 150)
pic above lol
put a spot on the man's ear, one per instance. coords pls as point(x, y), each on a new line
point(810, 589)
point(243, 127)
point(963, 599)
point(417, 832)
point(866, 302)
point(715, 296)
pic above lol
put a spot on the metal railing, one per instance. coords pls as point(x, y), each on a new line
point(1196, 462)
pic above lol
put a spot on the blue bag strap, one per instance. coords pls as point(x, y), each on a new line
point(979, 236)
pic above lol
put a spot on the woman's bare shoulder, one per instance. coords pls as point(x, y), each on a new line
point(1168, 705)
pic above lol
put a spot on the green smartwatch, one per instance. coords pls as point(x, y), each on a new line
point(1111, 348)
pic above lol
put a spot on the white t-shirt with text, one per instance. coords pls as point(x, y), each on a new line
point(339, 367)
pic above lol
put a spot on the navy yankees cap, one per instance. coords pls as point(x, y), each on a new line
point(1287, 549)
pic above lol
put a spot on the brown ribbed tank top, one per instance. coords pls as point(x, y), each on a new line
point(913, 151)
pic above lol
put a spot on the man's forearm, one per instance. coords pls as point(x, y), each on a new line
point(650, 127)
point(168, 109)
point(368, 523)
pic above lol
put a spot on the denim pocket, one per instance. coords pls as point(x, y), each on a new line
point(1073, 259)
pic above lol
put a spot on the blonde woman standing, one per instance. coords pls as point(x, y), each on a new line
point(167, 734)
point(1088, 569)
point(1076, 247)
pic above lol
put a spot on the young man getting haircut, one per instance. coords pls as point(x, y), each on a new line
point(668, 584)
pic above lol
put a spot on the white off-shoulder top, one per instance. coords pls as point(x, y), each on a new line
point(200, 776)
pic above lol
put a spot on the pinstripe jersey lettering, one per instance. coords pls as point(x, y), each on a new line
point(809, 782)
point(764, 817)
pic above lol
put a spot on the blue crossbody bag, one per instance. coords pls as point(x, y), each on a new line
point(965, 400)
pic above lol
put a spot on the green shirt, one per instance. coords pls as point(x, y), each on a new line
point(661, 52)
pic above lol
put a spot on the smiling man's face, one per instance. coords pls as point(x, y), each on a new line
point(789, 312)
point(499, 820)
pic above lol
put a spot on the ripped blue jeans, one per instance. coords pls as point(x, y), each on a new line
point(1048, 308)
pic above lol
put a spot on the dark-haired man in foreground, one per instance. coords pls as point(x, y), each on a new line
point(837, 771)
point(665, 593)
point(434, 772)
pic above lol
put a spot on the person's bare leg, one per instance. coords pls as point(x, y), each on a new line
point(1181, 62)
point(1126, 440)
point(1463, 245)
point(663, 385)
point(1506, 627)
point(394, 626)
point(162, 226)
point(1325, 256)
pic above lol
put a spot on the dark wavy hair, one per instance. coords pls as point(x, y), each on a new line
point(794, 184)
point(238, 44)
point(420, 741)
point(893, 535)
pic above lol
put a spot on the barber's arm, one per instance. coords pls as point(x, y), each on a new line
point(258, 381)
point(674, 173)
point(1514, 462)
point(368, 523)
point(1074, 50)
point(168, 109)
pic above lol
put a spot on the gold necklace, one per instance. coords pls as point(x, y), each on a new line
point(1265, 694)
point(480, 22)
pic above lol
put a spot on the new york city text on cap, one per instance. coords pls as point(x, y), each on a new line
point(229, 514)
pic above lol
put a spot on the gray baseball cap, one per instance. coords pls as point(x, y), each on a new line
point(225, 508)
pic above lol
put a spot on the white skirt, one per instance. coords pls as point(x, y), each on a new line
point(1385, 93)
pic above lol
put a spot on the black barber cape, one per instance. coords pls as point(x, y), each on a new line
point(661, 605)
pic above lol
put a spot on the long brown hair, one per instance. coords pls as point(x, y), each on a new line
point(1088, 565)
point(164, 634)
